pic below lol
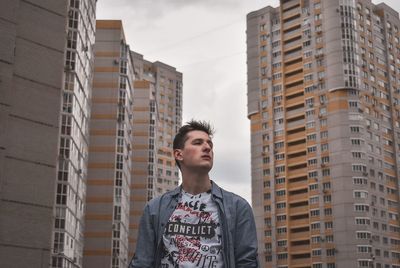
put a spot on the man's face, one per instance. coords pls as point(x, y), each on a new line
point(197, 152)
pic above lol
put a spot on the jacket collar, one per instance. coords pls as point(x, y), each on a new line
point(215, 191)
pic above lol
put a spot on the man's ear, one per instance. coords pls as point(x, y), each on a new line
point(178, 154)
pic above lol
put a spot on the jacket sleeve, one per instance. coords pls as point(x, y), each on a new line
point(146, 243)
point(246, 245)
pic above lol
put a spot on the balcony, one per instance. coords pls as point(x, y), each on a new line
point(289, 4)
point(292, 33)
point(300, 248)
point(293, 55)
point(291, 67)
point(296, 123)
point(300, 235)
point(298, 197)
point(294, 101)
point(296, 148)
point(297, 160)
point(301, 209)
point(296, 77)
point(300, 222)
point(296, 173)
point(300, 262)
point(295, 112)
point(291, 12)
point(294, 185)
point(296, 136)
point(292, 22)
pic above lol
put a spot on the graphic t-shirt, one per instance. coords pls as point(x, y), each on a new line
point(192, 237)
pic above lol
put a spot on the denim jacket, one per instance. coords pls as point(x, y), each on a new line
point(239, 239)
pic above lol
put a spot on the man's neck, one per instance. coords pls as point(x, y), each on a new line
point(196, 183)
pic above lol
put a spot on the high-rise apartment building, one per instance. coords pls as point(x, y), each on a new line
point(157, 113)
point(323, 101)
point(110, 171)
point(46, 63)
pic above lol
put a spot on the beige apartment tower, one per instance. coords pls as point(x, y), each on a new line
point(157, 113)
point(46, 63)
point(110, 158)
point(323, 102)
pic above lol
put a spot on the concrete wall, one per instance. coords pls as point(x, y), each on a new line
point(33, 35)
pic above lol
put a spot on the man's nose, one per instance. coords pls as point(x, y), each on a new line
point(206, 147)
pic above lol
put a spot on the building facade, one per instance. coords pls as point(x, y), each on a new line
point(157, 112)
point(323, 102)
point(46, 79)
point(110, 159)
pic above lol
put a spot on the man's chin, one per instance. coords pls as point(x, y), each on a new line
point(205, 167)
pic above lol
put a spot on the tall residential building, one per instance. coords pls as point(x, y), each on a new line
point(323, 101)
point(110, 158)
point(46, 63)
point(157, 113)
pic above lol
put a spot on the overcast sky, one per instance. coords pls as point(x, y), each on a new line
point(206, 41)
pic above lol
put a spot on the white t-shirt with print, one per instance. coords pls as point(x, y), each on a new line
point(192, 237)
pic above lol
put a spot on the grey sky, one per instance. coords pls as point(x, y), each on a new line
point(206, 41)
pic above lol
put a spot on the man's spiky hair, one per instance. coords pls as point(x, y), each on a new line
point(181, 136)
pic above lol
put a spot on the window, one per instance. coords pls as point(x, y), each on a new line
point(313, 174)
point(326, 172)
point(362, 221)
point(360, 194)
point(326, 185)
point(327, 199)
point(281, 230)
point(327, 211)
point(324, 134)
point(280, 192)
point(276, 76)
point(314, 212)
point(316, 252)
point(361, 207)
point(325, 159)
point(312, 162)
point(311, 137)
point(281, 218)
point(324, 147)
point(279, 169)
point(311, 149)
point(313, 186)
point(314, 200)
point(315, 239)
point(363, 235)
point(282, 256)
point(315, 225)
point(281, 205)
point(308, 77)
point(280, 181)
point(330, 252)
point(281, 243)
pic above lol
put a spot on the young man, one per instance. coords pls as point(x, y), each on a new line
point(198, 224)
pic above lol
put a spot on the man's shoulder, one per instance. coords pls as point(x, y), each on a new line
point(158, 200)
